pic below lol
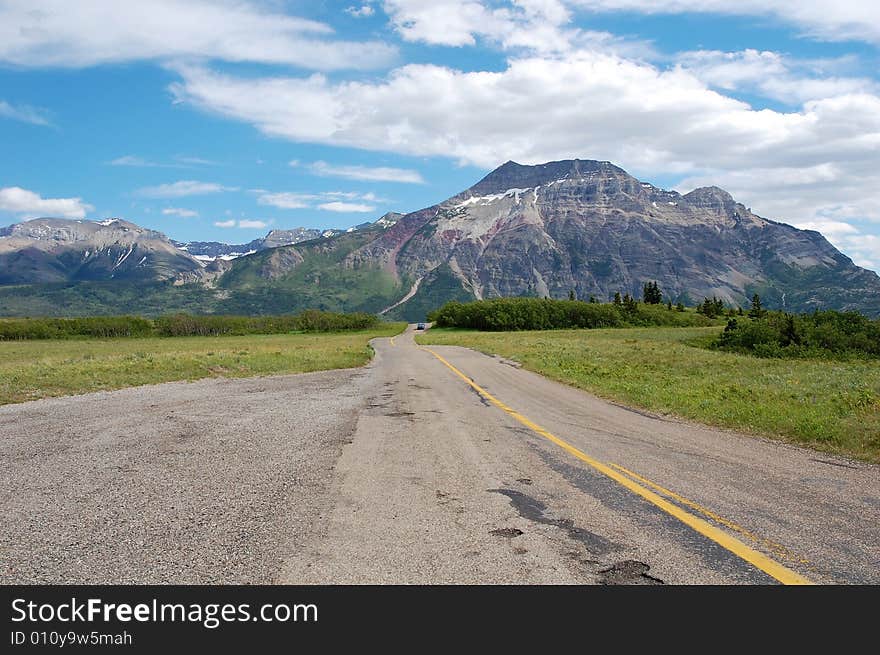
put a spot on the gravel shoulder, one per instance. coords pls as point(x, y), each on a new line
point(215, 481)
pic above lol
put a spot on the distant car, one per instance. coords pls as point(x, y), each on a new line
point(420, 326)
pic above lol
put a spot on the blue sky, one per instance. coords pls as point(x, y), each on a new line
point(219, 120)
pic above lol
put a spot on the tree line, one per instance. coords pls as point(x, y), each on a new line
point(504, 314)
point(178, 325)
point(820, 334)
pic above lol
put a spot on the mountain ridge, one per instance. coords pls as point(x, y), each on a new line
point(579, 226)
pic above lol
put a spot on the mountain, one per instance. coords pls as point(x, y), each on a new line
point(576, 225)
point(52, 250)
point(590, 227)
point(211, 250)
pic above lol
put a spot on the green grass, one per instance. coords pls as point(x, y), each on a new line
point(832, 406)
point(41, 369)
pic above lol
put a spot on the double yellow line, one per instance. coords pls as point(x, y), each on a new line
point(758, 559)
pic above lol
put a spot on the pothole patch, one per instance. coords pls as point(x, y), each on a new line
point(628, 572)
point(507, 533)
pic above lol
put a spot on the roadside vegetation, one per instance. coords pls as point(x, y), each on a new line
point(820, 335)
point(32, 369)
point(511, 314)
point(179, 325)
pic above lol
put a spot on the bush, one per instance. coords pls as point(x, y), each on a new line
point(311, 320)
point(820, 334)
point(63, 328)
point(179, 325)
point(506, 314)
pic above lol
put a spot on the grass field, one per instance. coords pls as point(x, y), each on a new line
point(828, 405)
point(40, 369)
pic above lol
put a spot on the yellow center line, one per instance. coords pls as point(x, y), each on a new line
point(778, 549)
point(761, 561)
point(392, 341)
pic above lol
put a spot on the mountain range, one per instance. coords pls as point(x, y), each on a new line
point(579, 226)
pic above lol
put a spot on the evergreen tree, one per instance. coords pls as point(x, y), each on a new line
point(669, 305)
point(711, 308)
point(756, 311)
point(593, 300)
point(651, 293)
point(571, 295)
point(679, 307)
point(617, 299)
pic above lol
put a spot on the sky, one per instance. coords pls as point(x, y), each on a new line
point(222, 119)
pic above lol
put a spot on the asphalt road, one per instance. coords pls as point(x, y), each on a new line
point(430, 465)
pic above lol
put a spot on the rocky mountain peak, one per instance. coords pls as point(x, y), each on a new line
point(512, 175)
point(63, 230)
point(712, 198)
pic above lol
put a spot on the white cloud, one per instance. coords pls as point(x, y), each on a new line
point(818, 161)
point(287, 200)
point(540, 26)
point(824, 19)
point(224, 224)
point(375, 174)
point(195, 161)
point(325, 200)
point(863, 249)
point(50, 33)
point(24, 113)
point(360, 12)
point(183, 188)
point(337, 206)
point(252, 225)
point(141, 162)
point(21, 201)
point(445, 22)
point(177, 211)
point(772, 75)
point(133, 160)
point(829, 228)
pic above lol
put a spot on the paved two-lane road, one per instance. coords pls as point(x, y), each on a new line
point(430, 465)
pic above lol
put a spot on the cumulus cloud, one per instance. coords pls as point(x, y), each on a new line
point(374, 174)
point(24, 113)
point(183, 188)
point(360, 12)
point(177, 211)
point(22, 201)
point(824, 19)
point(224, 224)
point(50, 33)
point(862, 248)
point(814, 162)
point(540, 26)
point(772, 75)
point(538, 109)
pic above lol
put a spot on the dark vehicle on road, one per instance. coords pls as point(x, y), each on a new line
point(420, 326)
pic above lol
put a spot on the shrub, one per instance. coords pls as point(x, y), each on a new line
point(63, 328)
point(506, 314)
point(820, 334)
point(179, 325)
